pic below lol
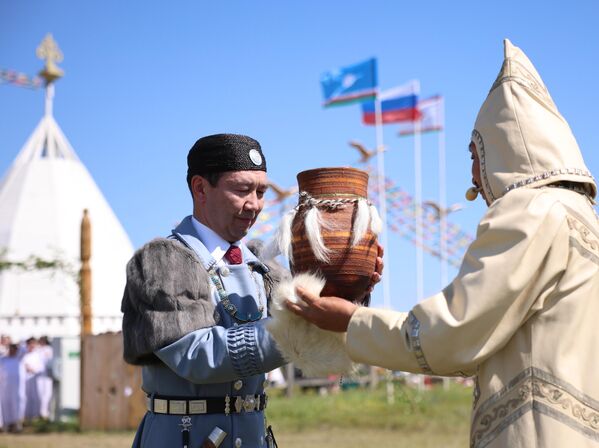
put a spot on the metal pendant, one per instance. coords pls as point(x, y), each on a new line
point(229, 307)
point(185, 425)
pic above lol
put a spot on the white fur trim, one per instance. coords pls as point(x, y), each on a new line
point(313, 223)
point(376, 225)
point(361, 221)
point(316, 352)
point(281, 242)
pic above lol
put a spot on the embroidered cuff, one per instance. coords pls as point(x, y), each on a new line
point(413, 337)
point(243, 350)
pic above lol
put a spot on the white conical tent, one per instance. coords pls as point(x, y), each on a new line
point(42, 198)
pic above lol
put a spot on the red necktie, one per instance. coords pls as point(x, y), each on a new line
point(233, 255)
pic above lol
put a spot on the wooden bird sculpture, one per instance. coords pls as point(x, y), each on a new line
point(280, 193)
point(365, 154)
point(442, 211)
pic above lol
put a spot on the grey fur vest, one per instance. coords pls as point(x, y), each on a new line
point(167, 296)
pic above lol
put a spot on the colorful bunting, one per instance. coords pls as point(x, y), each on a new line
point(20, 79)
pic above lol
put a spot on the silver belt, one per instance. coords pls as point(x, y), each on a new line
point(212, 405)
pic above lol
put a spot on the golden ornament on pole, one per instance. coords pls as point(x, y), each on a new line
point(49, 51)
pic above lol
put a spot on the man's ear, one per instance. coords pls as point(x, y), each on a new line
point(198, 188)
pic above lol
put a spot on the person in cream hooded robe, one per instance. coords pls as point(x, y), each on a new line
point(521, 314)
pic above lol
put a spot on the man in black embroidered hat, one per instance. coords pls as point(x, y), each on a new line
point(194, 308)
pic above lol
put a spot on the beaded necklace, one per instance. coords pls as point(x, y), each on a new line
point(222, 294)
point(230, 307)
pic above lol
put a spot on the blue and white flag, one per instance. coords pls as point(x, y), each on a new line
point(350, 84)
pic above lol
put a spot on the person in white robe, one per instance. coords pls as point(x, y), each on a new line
point(44, 379)
point(34, 366)
point(4, 343)
point(13, 390)
point(2, 392)
point(520, 316)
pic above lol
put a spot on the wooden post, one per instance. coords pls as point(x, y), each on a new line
point(85, 292)
point(86, 275)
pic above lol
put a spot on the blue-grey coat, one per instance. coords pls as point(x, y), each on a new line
point(189, 345)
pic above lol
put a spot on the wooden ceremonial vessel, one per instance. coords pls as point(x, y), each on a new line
point(335, 192)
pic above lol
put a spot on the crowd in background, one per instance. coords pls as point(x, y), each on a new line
point(25, 381)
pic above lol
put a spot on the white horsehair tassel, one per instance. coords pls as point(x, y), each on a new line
point(361, 221)
point(376, 225)
point(281, 243)
point(313, 222)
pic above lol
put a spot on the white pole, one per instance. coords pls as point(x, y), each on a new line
point(418, 216)
point(418, 212)
point(380, 158)
point(442, 205)
point(49, 99)
point(442, 196)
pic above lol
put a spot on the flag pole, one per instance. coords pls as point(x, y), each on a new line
point(442, 205)
point(380, 159)
point(418, 216)
point(418, 209)
point(418, 213)
point(442, 196)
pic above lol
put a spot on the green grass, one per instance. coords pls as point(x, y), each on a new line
point(412, 410)
point(352, 419)
point(44, 426)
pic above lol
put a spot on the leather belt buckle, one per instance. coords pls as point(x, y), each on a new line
point(160, 406)
point(177, 407)
point(197, 406)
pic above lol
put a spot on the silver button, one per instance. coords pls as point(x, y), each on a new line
point(238, 442)
point(249, 404)
point(224, 271)
point(238, 384)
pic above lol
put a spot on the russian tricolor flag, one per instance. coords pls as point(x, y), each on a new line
point(399, 104)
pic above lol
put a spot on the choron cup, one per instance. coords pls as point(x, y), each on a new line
point(332, 232)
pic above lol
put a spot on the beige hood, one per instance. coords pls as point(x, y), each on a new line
point(521, 138)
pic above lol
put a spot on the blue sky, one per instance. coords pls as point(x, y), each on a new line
point(144, 80)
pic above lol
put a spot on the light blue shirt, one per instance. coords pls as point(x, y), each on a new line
point(215, 244)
